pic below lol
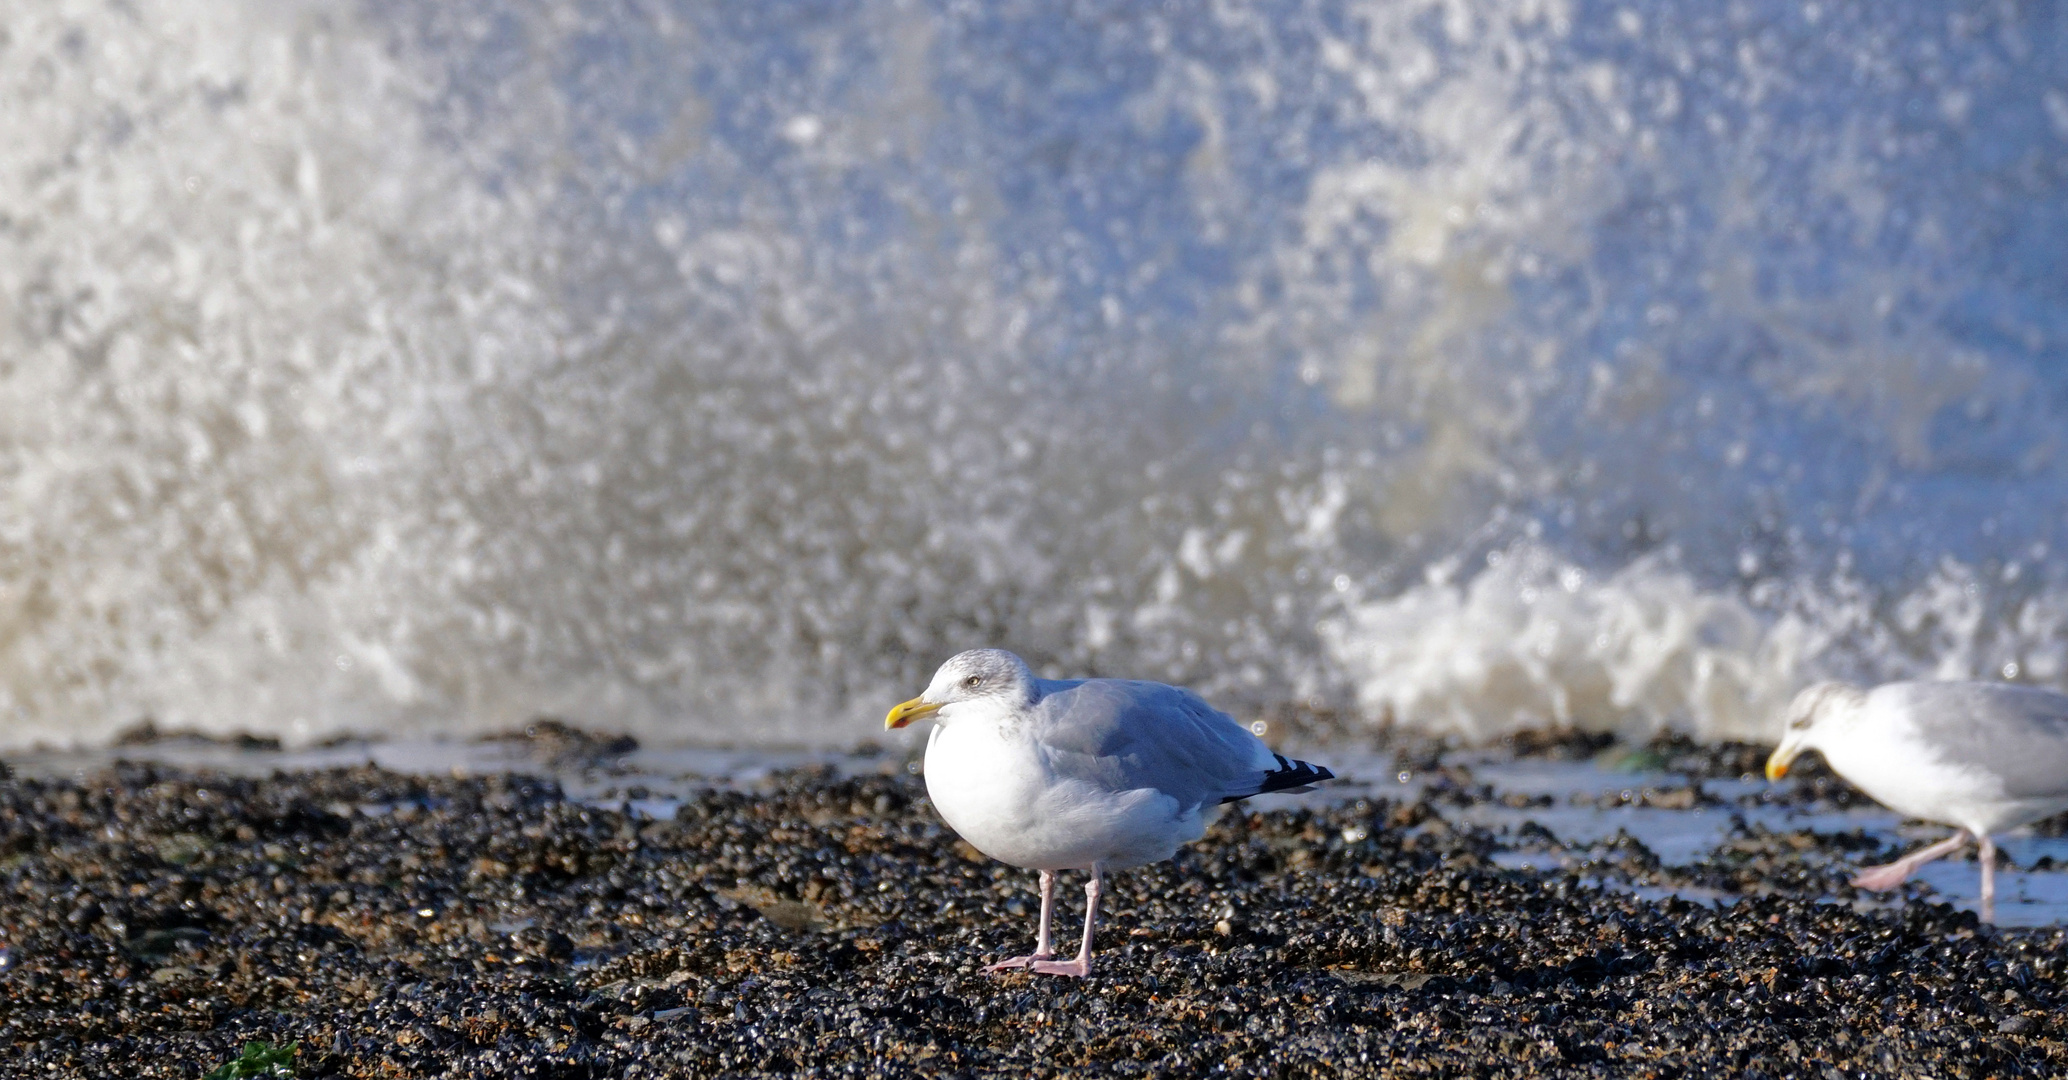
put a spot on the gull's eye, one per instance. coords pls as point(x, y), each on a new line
point(973, 681)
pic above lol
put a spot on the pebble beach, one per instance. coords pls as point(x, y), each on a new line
point(823, 922)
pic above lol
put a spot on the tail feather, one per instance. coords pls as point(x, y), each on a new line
point(1290, 777)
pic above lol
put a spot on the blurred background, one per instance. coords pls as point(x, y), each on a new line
point(711, 372)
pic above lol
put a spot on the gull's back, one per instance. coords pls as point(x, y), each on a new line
point(1982, 756)
point(1124, 734)
point(2018, 734)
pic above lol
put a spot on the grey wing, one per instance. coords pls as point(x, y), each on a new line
point(1122, 735)
point(2017, 732)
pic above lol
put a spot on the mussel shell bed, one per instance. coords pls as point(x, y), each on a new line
point(392, 925)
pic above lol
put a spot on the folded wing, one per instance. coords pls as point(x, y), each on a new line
point(1123, 735)
point(2018, 733)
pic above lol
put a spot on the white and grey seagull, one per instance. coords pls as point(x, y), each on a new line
point(1981, 757)
point(1082, 774)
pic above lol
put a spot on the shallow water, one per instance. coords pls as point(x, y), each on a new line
point(1680, 837)
point(653, 783)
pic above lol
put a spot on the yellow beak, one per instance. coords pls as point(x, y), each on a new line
point(908, 711)
point(1777, 765)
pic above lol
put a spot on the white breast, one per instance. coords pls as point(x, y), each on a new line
point(994, 788)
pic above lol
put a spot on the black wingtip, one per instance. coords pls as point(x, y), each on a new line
point(1289, 776)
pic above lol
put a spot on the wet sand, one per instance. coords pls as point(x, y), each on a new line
point(158, 917)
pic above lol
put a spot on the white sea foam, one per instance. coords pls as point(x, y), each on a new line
point(244, 294)
point(1533, 641)
point(711, 372)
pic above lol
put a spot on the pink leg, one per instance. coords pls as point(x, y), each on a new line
point(1988, 879)
point(1081, 966)
point(1042, 949)
point(1878, 878)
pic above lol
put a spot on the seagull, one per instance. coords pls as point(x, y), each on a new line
point(1981, 757)
point(1081, 774)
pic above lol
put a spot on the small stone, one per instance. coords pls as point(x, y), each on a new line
point(543, 943)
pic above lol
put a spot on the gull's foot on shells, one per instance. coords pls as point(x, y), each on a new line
point(1018, 962)
point(1076, 969)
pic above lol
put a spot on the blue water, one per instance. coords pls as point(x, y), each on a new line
point(712, 372)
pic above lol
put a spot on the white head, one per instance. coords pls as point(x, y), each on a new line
point(1815, 708)
point(976, 675)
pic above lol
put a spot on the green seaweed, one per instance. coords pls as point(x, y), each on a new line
point(259, 1060)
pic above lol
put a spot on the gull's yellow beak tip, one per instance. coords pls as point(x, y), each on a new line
point(907, 711)
point(1776, 768)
